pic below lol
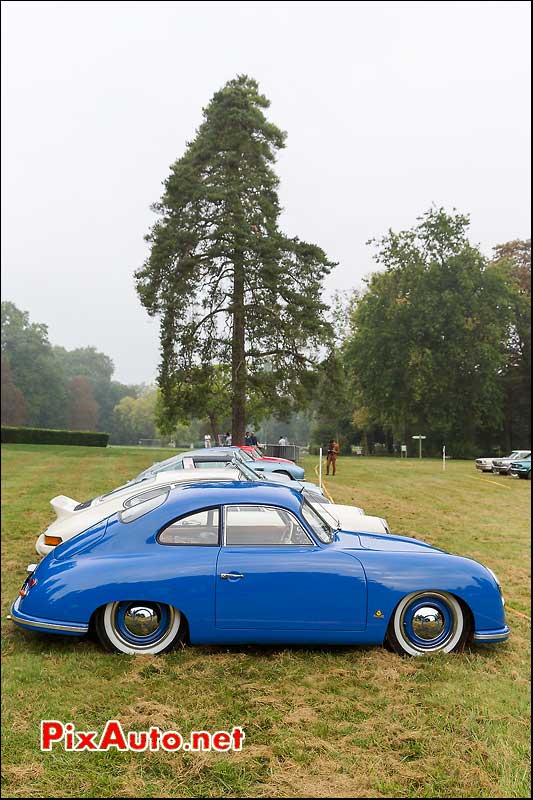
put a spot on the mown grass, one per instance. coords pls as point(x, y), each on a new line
point(320, 722)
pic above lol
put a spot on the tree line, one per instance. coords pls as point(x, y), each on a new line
point(46, 386)
point(436, 343)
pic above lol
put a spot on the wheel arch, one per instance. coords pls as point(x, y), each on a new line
point(185, 637)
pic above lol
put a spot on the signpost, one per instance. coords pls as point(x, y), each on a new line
point(320, 468)
point(419, 437)
point(443, 457)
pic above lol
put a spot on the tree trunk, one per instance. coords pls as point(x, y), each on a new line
point(214, 427)
point(238, 358)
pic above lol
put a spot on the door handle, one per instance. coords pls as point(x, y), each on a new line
point(229, 575)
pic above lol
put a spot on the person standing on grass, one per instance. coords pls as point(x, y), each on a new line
point(333, 452)
point(207, 440)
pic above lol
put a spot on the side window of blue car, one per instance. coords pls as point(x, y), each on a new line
point(200, 528)
point(263, 525)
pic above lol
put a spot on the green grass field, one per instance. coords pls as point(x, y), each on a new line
point(321, 722)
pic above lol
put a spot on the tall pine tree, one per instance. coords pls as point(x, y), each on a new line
point(229, 287)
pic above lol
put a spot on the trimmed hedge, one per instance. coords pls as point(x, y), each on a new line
point(47, 436)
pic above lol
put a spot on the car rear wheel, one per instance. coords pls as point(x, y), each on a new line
point(427, 622)
point(139, 627)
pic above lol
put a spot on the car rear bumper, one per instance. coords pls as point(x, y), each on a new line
point(492, 637)
point(45, 625)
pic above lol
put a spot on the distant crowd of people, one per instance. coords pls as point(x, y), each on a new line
point(224, 439)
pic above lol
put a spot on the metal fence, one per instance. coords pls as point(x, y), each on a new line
point(290, 451)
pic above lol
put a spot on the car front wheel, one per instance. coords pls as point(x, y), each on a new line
point(139, 627)
point(427, 622)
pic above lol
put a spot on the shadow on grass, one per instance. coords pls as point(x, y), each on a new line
point(36, 643)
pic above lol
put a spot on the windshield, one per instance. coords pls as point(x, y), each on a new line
point(246, 471)
point(124, 487)
point(314, 499)
point(319, 526)
point(245, 456)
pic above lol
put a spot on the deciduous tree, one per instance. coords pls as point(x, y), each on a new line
point(513, 259)
point(35, 370)
point(82, 407)
point(14, 410)
point(427, 343)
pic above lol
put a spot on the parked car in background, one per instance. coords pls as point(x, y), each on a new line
point(486, 464)
point(521, 469)
point(352, 518)
point(74, 517)
point(205, 459)
point(240, 563)
point(501, 466)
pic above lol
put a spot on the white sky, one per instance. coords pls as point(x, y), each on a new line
point(389, 107)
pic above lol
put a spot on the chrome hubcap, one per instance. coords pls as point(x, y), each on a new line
point(141, 620)
point(428, 623)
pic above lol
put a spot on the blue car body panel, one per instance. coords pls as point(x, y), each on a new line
point(521, 468)
point(343, 592)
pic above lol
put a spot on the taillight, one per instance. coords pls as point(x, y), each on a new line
point(52, 541)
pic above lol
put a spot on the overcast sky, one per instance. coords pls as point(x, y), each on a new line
point(389, 107)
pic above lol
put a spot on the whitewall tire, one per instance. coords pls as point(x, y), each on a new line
point(428, 622)
point(139, 627)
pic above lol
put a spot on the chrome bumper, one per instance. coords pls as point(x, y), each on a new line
point(489, 637)
point(45, 625)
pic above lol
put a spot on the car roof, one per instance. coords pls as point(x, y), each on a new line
point(209, 493)
point(206, 451)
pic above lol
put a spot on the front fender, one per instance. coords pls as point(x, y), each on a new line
point(391, 576)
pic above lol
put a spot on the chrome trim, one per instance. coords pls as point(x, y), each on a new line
point(55, 626)
point(428, 623)
point(228, 575)
point(140, 647)
point(141, 620)
point(490, 637)
point(443, 597)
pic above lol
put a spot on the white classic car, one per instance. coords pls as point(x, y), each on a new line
point(501, 466)
point(351, 518)
point(74, 517)
point(487, 464)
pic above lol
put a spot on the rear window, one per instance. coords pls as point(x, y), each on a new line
point(143, 507)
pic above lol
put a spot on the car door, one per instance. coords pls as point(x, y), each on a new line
point(188, 569)
point(272, 575)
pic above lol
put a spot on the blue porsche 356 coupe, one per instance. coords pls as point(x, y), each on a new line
point(255, 562)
